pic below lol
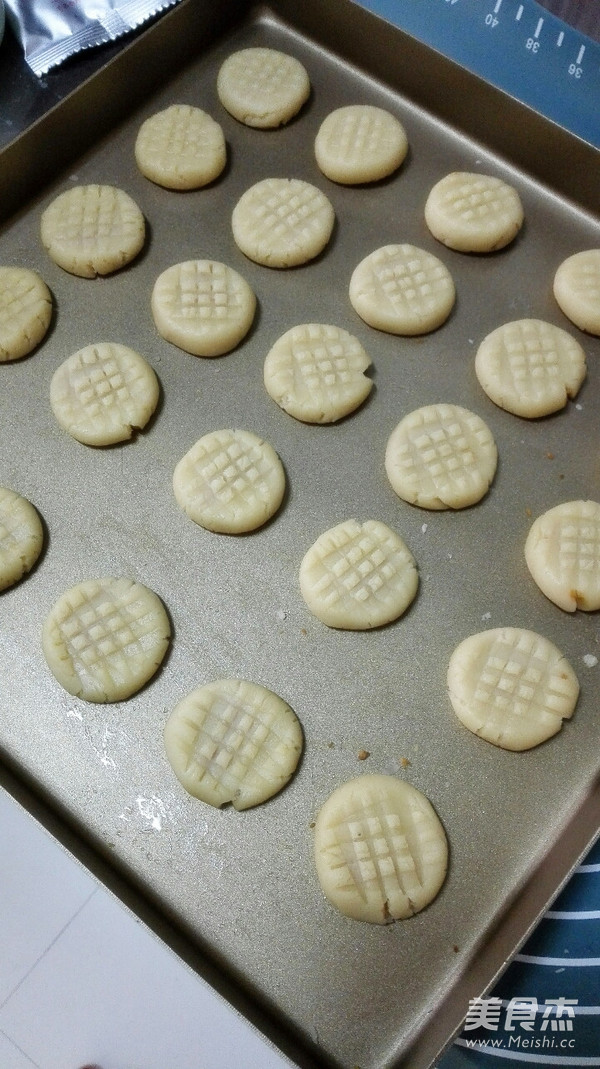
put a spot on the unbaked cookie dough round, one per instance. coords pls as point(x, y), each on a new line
point(316, 373)
point(511, 687)
point(441, 457)
point(282, 222)
point(105, 638)
point(262, 87)
point(360, 143)
point(21, 537)
point(530, 368)
point(562, 551)
point(203, 306)
point(25, 312)
point(577, 289)
point(358, 576)
point(230, 481)
point(381, 852)
point(181, 147)
point(233, 741)
point(104, 392)
point(93, 230)
point(402, 290)
point(473, 212)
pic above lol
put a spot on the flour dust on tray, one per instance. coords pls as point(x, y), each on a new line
point(93, 230)
point(233, 741)
point(25, 312)
point(105, 638)
point(381, 852)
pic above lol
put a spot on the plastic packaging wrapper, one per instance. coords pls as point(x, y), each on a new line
point(50, 31)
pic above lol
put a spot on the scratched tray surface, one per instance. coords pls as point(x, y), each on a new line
point(242, 885)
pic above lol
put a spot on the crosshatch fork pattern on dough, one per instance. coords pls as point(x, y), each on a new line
point(402, 289)
point(233, 741)
point(441, 456)
point(230, 481)
point(203, 306)
point(380, 849)
point(358, 576)
point(511, 687)
point(282, 222)
point(105, 638)
point(562, 551)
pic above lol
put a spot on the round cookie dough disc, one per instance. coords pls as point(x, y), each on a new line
point(577, 289)
point(282, 222)
point(441, 457)
point(317, 373)
point(105, 638)
point(381, 853)
point(233, 741)
point(511, 687)
point(102, 393)
point(21, 537)
point(262, 87)
point(562, 551)
point(530, 367)
point(230, 481)
point(473, 212)
point(360, 143)
point(203, 307)
point(180, 148)
point(25, 312)
point(402, 290)
point(93, 230)
point(358, 576)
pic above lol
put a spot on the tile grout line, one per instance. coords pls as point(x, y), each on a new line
point(49, 946)
point(20, 1049)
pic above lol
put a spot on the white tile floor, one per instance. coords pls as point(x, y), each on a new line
point(84, 982)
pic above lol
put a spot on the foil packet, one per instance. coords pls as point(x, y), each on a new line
point(50, 31)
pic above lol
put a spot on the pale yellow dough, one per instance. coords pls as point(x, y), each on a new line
point(233, 741)
point(360, 143)
point(25, 312)
point(530, 368)
point(21, 537)
point(358, 576)
point(230, 481)
point(105, 638)
point(316, 372)
point(203, 306)
point(473, 212)
point(562, 551)
point(282, 222)
point(104, 392)
point(577, 289)
point(402, 289)
point(181, 148)
point(381, 852)
point(262, 87)
point(93, 230)
point(441, 457)
point(511, 687)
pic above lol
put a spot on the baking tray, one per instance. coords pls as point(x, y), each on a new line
point(237, 891)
